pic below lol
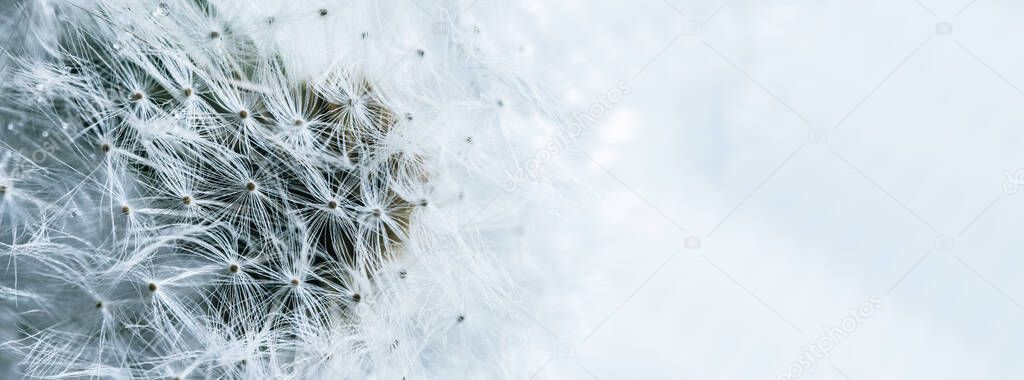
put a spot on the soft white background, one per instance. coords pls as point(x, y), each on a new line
point(920, 129)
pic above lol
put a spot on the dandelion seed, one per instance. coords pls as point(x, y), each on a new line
point(242, 114)
point(423, 202)
point(295, 282)
point(152, 287)
point(186, 200)
point(323, 12)
point(136, 96)
point(105, 148)
point(187, 91)
point(356, 298)
point(99, 304)
point(250, 187)
point(233, 268)
point(420, 52)
point(402, 274)
point(214, 35)
point(297, 122)
point(332, 205)
point(126, 210)
point(460, 318)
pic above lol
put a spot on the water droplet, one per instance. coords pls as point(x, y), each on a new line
point(63, 125)
point(10, 127)
point(161, 10)
point(46, 133)
point(75, 213)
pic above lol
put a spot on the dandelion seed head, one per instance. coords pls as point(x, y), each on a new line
point(298, 158)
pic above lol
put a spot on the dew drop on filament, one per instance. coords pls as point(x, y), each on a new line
point(161, 10)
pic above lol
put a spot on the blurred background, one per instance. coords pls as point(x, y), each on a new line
point(774, 165)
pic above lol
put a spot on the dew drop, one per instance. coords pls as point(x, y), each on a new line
point(46, 134)
point(161, 10)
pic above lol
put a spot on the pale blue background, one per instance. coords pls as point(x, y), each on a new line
point(933, 122)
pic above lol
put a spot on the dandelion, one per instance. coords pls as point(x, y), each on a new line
point(204, 202)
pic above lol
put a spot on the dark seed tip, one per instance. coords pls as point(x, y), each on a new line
point(251, 186)
point(152, 286)
point(233, 268)
point(323, 12)
point(356, 297)
point(332, 205)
